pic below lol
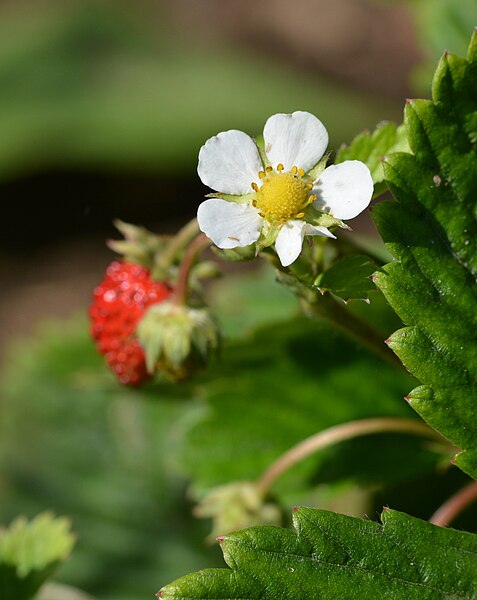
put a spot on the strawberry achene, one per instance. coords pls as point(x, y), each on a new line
point(119, 303)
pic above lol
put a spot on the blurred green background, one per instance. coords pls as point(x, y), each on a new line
point(103, 107)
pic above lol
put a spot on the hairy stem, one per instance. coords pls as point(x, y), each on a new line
point(340, 433)
point(330, 309)
point(195, 248)
point(183, 237)
point(455, 505)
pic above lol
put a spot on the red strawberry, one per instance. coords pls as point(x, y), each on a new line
point(119, 303)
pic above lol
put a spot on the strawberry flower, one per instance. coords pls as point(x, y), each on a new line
point(281, 194)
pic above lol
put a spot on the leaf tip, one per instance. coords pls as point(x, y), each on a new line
point(159, 594)
point(387, 342)
point(407, 398)
point(220, 539)
point(295, 508)
point(409, 100)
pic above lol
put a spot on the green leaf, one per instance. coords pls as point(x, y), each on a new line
point(349, 278)
point(284, 383)
point(251, 300)
point(431, 230)
point(30, 552)
point(333, 556)
point(370, 148)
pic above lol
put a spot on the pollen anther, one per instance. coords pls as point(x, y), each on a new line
point(282, 195)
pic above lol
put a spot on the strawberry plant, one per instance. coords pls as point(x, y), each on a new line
point(340, 373)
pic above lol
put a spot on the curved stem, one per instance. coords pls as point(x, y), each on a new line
point(195, 248)
point(177, 242)
point(340, 433)
point(327, 307)
point(455, 505)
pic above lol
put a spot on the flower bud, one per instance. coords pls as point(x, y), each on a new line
point(177, 339)
point(235, 506)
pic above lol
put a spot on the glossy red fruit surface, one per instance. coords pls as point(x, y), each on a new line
point(119, 302)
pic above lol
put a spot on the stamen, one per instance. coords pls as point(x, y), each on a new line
point(309, 186)
point(301, 172)
point(281, 195)
point(312, 198)
point(255, 186)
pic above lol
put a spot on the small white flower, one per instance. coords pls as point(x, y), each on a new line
point(277, 202)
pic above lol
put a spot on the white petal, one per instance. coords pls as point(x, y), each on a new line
point(229, 162)
point(290, 239)
point(289, 242)
point(315, 230)
point(344, 190)
point(229, 225)
point(299, 139)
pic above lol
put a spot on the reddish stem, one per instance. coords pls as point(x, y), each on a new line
point(340, 433)
point(198, 245)
point(455, 505)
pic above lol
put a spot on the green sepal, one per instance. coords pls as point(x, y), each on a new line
point(237, 505)
point(315, 172)
point(236, 254)
point(268, 236)
point(235, 198)
point(321, 219)
point(139, 246)
point(261, 150)
point(348, 278)
point(177, 339)
point(30, 551)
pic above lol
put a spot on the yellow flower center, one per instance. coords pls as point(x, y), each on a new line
point(283, 196)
